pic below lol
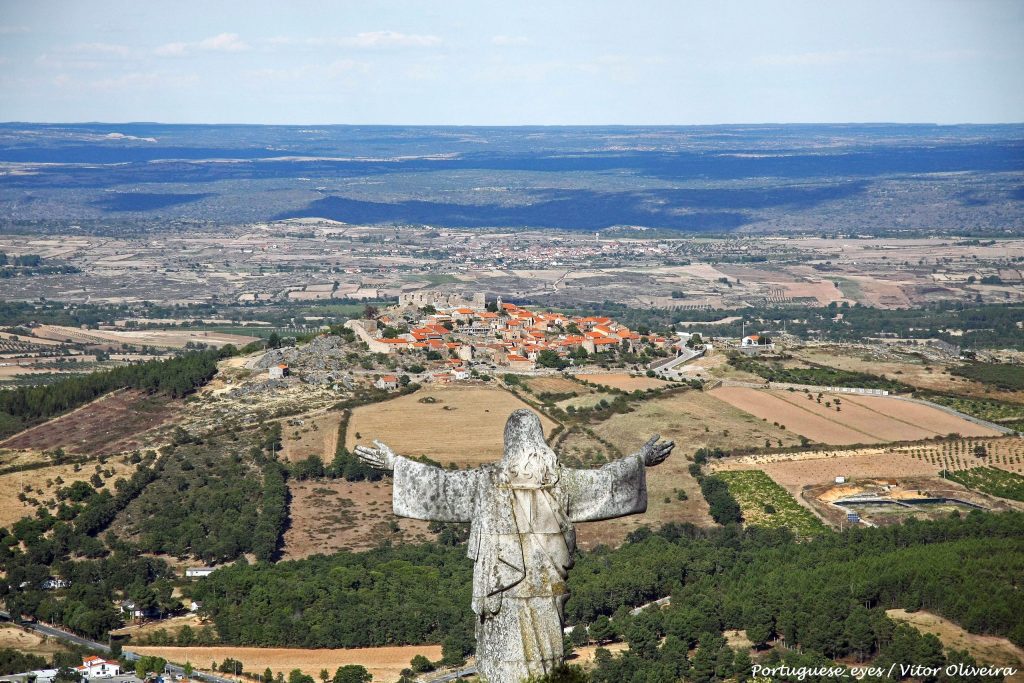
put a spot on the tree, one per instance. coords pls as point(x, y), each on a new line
point(579, 635)
point(325, 675)
point(352, 673)
point(602, 631)
point(550, 359)
point(274, 341)
point(760, 625)
point(187, 670)
point(421, 664)
point(370, 312)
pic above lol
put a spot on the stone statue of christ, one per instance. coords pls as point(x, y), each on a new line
point(522, 539)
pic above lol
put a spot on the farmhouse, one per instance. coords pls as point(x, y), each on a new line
point(277, 371)
point(756, 343)
point(96, 667)
point(387, 383)
point(517, 362)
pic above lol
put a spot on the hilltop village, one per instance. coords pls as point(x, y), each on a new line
point(501, 335)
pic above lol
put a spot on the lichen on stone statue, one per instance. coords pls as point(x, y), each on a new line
point(522, 510)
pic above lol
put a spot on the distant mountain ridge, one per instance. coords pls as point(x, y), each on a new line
point(690, 179)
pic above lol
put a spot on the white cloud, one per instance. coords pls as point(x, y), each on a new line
point(172, 49)
point(222, 42)
point(509, 41)
point(12, 30)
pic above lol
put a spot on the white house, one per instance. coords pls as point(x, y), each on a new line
point(755, 343)
point(133, 611)
point(53, 584)
point(198, 572)
point(96, 667)
point(277, 371)
point(387, 383)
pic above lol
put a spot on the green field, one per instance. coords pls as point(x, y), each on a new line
point(758, 495)
point(990, 480)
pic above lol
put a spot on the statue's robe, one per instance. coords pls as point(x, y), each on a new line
point(521, 542)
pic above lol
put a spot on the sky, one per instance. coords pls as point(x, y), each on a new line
point(518, 62)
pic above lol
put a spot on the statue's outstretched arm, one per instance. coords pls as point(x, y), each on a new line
point(381, 457)
point(655, 451)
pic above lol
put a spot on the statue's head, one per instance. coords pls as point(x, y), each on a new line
point(528, 460)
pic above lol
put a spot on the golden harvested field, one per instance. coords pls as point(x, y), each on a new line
point(553, 385)
point(625, 382)
point(586, 400)
point(460, 424)
point(385, 663)
point(986, 649)
point(27, 641)
point(13, 483)
point(317, 435)
point(924, 417)
point(692, 419)
point(172, 339)
point(171, 625)
point(861, 419)
point(328, 516)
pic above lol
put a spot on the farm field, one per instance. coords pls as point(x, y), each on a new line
point(797, 471)
point(385, 663)
point(912, 371)
point(986, 649)
point(460, 424)
point(765, 503)
point(992, 481)
point(586, 400)
point(553, 385)
point(693, 419)
point(926, 417)
point(171, 339)
point(861, 419)
point(171, 625)
point(110, 424)
point(625, 382)
point(34, 484)
point(328, 516)
point(317, 435)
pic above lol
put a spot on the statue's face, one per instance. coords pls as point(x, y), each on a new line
point(528, 459)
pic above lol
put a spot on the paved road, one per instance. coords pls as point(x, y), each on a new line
point(52, 632)
point(454, 676)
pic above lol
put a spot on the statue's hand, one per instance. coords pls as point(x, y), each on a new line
point(381, 457)
point(654, 451)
